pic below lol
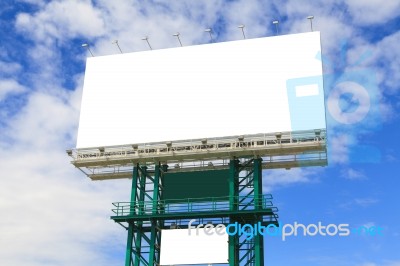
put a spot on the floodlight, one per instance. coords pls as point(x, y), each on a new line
point(311, 19)
point(241, 138)
point(242, 28)
point(69, 152)
point(116, 42)
point(102, 149)
point(276, 22)
point(209, 30)
point(135, 146)
point(169, 144)
point(146, 38)
point(204, 141)
point(177, 36)
point(278, 135)
point(87, 46)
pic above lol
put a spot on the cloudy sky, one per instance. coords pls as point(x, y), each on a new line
point(51, 214)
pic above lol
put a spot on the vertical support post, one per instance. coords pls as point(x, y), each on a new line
point(156, 188)
point(153, 238)
point(257, 175)
point(140, 233)
point(258, 239)
point(134, 188)
point(128, 256)
point(233, 205)
point(233, 184)
point(154, 230)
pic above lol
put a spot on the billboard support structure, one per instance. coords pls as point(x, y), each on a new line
point(243, 158)
point(147, 214)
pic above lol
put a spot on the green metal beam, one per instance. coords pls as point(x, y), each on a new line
point(128, 255)
point(245, 204)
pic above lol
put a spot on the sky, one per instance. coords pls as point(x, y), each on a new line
point(51, 214)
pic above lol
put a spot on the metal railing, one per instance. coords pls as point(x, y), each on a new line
point(199, 145)
point(278, 150)
point(190, 205)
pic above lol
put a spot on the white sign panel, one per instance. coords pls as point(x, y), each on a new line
point(241, 87)
point(178, 247)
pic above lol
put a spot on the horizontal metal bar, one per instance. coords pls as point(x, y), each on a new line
point(278, 150)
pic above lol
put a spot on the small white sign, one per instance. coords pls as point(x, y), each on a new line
point(178, 247)
point(307, 90)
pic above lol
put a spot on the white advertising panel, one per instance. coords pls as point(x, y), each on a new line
point(178, 247)
point(241, 87)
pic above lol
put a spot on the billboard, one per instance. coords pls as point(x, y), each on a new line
point(232, 88)
point(178, 247)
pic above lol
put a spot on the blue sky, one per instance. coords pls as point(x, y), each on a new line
point(53, 215)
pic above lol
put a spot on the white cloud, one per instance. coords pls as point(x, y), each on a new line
point(359, 202)
point(365, 202)
point(62, 20)
point(352, 174)
point(338, 149)
point(278, 178)
point(381, 263)
point(54, 213)
point(8, 68)
point(366, 12)
point(10, 86)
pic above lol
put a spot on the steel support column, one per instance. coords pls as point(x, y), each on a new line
point(245, 191)
point(233, 205)
point(144, 238)
point(258, 239)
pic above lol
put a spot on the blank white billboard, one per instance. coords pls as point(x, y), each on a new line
point(241, 87)
point(178, 247)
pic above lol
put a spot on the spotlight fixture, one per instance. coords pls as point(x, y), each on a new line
point(116, 42)
point(242, 28)
point(209, 30)
point(69, 152)
point(311, 19)
point(177, 36)
point(102, 149)
point(276, 23)
point(146, 38)
point(87, 47)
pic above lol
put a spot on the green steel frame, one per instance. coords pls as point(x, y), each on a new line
point(147, 213)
